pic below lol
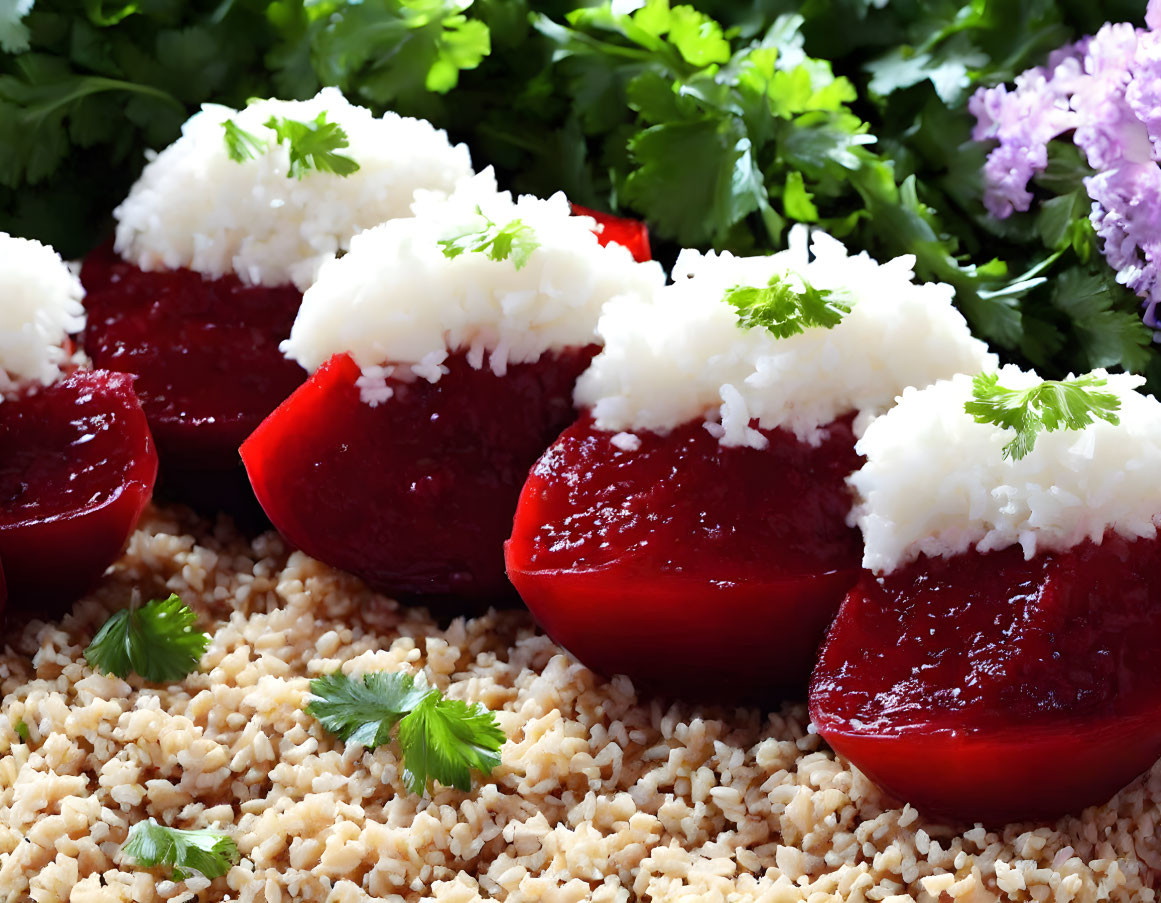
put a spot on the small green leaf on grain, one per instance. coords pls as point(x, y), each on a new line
point(1048, 406)
point(22, 732)
point(208, 853)
point(515, 241)
point(441, 739)
point(313, 145)
point(783, 310)
point(156, 641)
point(242, 145)
point(444, 739)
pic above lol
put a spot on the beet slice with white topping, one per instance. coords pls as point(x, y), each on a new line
point(77, 467)
point(414, 494)
point(690, 566)
point(985, 687)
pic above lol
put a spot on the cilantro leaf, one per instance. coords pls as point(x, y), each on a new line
point(513, 241)
point(364, 712)
point(313, 145)
point(156, 641)
point(1048, 406)
point(441, 739)
point(209, 853)
point(22, 732)
point(784, 311)
point(14, 33)
point(242, 145)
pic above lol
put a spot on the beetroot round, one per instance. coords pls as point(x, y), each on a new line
point(689, 566)
point(204, 351)
point(77, 466)
point(416, 494)
point(629, 233)
point(990, 688)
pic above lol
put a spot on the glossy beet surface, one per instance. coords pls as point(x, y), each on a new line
point(205, 353)
point(629, 233)
point(690, 567)
point(415, 495)
point(77, 467)
point(990, 688)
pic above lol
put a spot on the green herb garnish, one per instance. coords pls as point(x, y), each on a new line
point(156, 641)
point(783, 310)
point(1051, 405)
point(441, 739)
point(515, 241)
point(313, 145)
point(242, 145)
point(209, 853)
point(22, 732)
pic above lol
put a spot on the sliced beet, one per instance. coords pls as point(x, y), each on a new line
point(416, 494)
point(629, 233)
point(990, 688)
point(689, 566)
point(77, 466)
point(205, 353)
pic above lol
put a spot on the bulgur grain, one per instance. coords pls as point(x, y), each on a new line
point(601, 796)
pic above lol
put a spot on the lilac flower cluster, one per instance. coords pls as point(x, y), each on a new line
point(1106, 91)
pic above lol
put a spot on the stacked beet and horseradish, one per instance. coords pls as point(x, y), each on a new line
point(698, 510)
point(77, 463)
point(444, 348)
point(997, 659)
point(214, 246)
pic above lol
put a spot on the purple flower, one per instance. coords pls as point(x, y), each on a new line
point(1106, 91)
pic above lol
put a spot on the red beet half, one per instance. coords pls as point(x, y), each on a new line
point(629, 233)
point(691, 567)
point(205, 353)
point(990, 688)
point(77, 466)
point(416, 494)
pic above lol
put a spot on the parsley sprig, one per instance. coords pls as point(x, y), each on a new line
point(156, 641)
point(209, 853)
point(242, 145)
point(313, 145)
point(441, 739)
point(513, 241)
point(1048, 406)
point(784, 310)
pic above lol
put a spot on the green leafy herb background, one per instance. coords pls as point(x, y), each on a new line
point(720, 124)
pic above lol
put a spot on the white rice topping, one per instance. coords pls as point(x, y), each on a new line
point(936, 482)
point(681, 355)
point(41, 307)
point(195, 207)
point(399, 305)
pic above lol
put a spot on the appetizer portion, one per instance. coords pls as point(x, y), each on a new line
point(698, 511)
point(998, 658)
point(77, 463)
point(444, 350)
point(218, 239)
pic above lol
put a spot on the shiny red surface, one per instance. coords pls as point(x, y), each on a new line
point(629, 233)
point(987, 687)
point(205, 353)
point(415, 495)
point(689, 566)
point(77, 467)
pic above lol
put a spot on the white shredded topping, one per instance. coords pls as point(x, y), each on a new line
point(195, 207)
point(936, 482)
point(681, 355)
point(41, 308)
point(396, 298)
